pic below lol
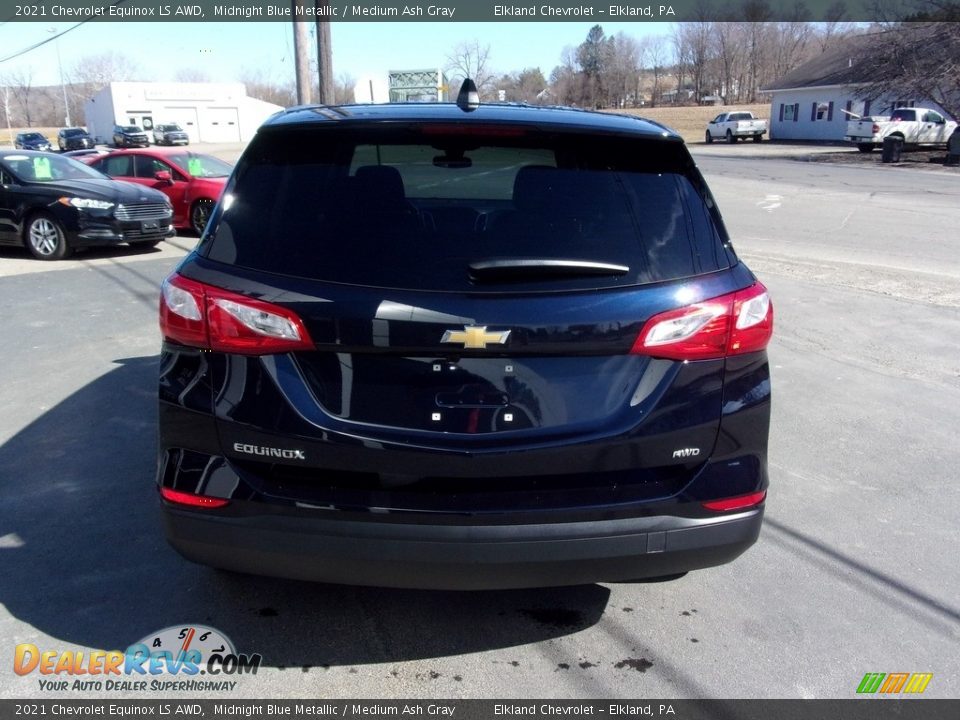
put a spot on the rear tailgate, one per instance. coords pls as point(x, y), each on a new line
point(459, 297)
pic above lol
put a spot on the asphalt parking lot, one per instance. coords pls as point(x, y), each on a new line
point(856, 569)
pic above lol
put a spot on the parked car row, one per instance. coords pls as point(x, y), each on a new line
point(193, 182)
point(54, 204)
point(77, 138)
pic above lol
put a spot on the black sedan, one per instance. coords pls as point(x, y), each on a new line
point(54, 205)
point(74, 139)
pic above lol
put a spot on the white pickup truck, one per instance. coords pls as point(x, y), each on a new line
point(731, 126)
point(914, 126)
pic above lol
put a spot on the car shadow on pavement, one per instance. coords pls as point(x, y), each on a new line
point(83, 559)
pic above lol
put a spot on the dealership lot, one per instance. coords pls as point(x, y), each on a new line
point(855, 570)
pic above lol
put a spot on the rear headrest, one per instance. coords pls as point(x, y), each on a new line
point(533, 187)
point(543, 189)
point(380, 185)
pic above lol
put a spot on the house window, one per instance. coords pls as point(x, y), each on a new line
point(789, 113)
point(821, 111)
point(857, 107)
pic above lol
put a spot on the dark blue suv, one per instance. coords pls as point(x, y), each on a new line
point(424, 347)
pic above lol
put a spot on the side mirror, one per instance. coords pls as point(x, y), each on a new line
point(164, 176)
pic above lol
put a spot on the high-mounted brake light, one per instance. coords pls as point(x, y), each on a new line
point(484, 129)
point(732, 324)
point(199, 315)
point(185, 498)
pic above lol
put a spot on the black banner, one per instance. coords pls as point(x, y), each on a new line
point(593, 11)
point(853, 709)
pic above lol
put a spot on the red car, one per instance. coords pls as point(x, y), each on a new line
point(192, 181)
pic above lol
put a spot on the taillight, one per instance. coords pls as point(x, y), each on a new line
point(732, 324)
point(185, 498)
point(875, 129)
point(199, 315)
point(740, 502)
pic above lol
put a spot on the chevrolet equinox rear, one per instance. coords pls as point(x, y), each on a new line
point(424, 347)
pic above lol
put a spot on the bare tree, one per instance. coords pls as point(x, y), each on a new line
point(190, 75)
point(6, 95)
point(98, 71)
point(470, 59)
point(790, 44)
point(836, 26)
point(623, 70)
point(566, 81)
point(266, 88)
point(92, 73)
point(693, 42)
point(913, 59)
point(21, 87)
point(343, 86)
point(657, 55)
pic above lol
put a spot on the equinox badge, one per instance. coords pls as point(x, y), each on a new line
point(474, 336)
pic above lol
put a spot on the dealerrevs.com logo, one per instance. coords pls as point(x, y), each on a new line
point(181, 657)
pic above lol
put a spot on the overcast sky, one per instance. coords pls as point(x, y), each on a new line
point(222, 50)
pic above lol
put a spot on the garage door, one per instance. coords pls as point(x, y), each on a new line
point(185, 117)
point(220, 125)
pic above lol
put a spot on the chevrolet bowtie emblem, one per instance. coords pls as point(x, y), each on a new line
point(473, 336)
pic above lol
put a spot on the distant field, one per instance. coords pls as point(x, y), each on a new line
point(691, 122)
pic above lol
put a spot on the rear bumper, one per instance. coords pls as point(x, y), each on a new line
point(459, 557)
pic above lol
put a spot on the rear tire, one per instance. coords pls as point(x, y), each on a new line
point(758, 138)
point(709, 138)
point(730, 138)
point(45, 239)
point(865, 147)
point(200, 215)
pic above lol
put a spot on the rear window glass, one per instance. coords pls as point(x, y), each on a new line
point(905, 115)
point(401, 208)
point(204, 166)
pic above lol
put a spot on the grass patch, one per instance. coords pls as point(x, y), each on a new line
point(691, 122)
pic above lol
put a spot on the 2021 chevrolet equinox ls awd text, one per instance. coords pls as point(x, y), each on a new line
point(424, 347)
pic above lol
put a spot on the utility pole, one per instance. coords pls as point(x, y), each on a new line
point(301, 50)
point(324, 53)
point(63, 85)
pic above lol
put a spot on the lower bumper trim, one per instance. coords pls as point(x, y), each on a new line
point(459, 557)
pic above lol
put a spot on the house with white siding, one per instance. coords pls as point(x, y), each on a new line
point(808, 103)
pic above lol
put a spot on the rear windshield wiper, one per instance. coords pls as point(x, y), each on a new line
point(507, 269)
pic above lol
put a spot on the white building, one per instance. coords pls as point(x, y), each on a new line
point(208, 112)
point(808, 103)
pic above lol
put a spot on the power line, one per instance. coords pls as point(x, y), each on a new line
point(54, 37)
